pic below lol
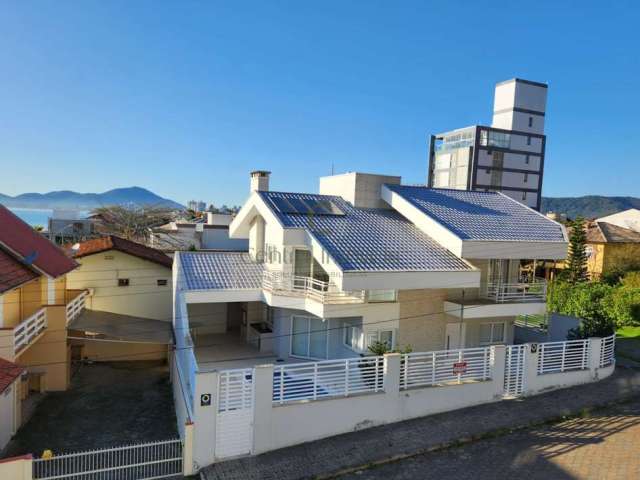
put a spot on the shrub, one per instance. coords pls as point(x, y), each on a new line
point(623, 305)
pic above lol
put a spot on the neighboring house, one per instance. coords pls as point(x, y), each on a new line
point(212, 234)
point(373, 261)
point(129, 307)
point(611, 247)
point(10, 400)
point(67, 226)
point(36, 305)
point(626, 219)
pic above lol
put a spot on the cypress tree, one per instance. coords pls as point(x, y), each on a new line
point(576, 270)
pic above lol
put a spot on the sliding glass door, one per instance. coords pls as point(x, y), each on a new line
point(308, 337)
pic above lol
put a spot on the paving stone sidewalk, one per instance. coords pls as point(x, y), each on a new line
point(342, 453)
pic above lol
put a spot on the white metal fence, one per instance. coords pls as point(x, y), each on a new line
point(25, 332)
point(145, 461)
point(607, 351)
point(555, 357)
point(445, 367)
point(329, 378)
point(517, 292)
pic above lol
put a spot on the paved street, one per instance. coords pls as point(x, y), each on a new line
point(605, 445)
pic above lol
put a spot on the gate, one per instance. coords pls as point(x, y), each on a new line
point(234, 420)
point(144, 461)
point(514, 370)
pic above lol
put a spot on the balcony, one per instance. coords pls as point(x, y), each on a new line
point(311, 288)
point(522, 292)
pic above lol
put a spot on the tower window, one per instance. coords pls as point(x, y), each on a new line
point(524, 195)
point(526, 159)
point(531, 121)
point(526, 177)
point(528, 140)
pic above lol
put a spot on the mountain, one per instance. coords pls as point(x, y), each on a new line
point(591, 206)
point(66, 199)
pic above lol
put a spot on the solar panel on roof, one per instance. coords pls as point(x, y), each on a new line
point(306, 206)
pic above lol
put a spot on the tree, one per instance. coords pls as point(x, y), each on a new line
point(576, 270)
point(588, 301)
point(38, 228)
point(130, 222)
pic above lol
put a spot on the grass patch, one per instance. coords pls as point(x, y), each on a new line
point(628, 343)
point(628, 332)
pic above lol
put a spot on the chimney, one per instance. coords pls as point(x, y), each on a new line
point(260, 181)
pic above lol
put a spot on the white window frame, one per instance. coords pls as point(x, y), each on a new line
point(366, 338)
point(492, 335)
point(326, 338)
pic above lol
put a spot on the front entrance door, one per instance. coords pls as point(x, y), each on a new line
point(455, 336)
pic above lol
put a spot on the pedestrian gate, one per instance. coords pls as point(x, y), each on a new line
point(234, 420)
point(143, 461)
point(514, 370)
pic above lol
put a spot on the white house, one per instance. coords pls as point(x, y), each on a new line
point(365, 260)
point(268, 339)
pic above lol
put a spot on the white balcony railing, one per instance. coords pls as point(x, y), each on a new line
point(75, 306)
point(516, 292)
point(296, 286)
point(27, 331)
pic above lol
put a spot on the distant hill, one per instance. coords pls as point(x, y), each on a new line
point(591, 206)
point(66, 199)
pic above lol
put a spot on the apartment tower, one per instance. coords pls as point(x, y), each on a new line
point(507, 156)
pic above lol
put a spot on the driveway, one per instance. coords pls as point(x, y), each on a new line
point(108, 404)
point(605, 445)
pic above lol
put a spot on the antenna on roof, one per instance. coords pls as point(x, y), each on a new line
point(332, 169)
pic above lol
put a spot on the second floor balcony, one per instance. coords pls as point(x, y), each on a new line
point(323, 292)
point(520, 292)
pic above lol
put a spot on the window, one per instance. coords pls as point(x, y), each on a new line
point(381, 296)
point(123, 282)
point(530, 121)
point(162, 282)
point(308, 337)
point(491, 333)
point(353, 337)
point(526, 177)
point(524, 195)
point(488, 171)
point(526, 159)
point(357, 340)
point(528, 140)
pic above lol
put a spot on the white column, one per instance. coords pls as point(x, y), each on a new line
point(595, 347)
point(530, 379)
point(51, 291)
point(497, 368)
point(205, 418)
point(262, 408)
point(187, 451)
point(391, 372)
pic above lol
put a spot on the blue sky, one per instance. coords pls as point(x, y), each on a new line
point(185, 98)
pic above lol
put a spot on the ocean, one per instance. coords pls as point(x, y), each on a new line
point(36, 216)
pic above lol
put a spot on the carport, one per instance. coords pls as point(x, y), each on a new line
point(105, 336)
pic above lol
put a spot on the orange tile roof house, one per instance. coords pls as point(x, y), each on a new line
point(35, 307)
point(129, 305)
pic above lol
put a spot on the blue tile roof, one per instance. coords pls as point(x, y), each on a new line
point(220, 271)
point(481, 215)
point(368, 239)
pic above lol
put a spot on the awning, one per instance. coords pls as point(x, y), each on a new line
point(115, 326)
